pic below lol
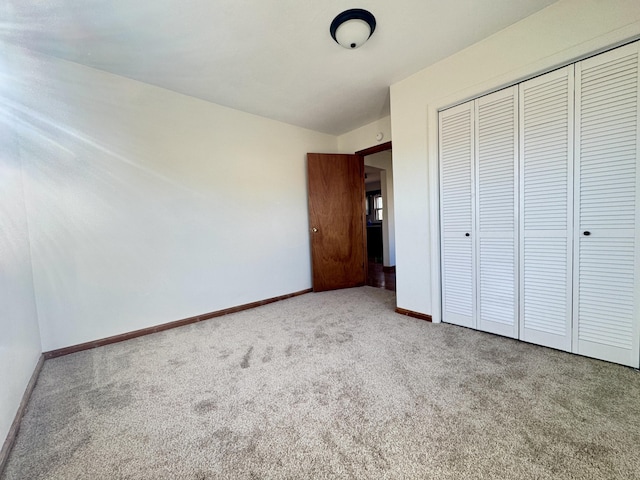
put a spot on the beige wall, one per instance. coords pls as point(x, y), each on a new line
point(557, 35)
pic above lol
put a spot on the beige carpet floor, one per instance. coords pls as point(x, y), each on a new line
point(329, 385)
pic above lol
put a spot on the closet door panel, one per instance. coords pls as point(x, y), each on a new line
point(456, 127)
point(606, 315)
point(546, 203)
point(496, 199)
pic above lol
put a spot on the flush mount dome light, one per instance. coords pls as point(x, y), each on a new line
point(352, 28)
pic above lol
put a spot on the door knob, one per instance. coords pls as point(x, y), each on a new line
point(587, 233)
point(467, 234)
point(314, 230)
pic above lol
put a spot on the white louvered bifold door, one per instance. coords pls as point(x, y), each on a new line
point(606, 184)
point(497, 210)
point(546, 208)
point(457, 214)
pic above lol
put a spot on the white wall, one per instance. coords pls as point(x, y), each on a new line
point(557, 35)
point(147, 206)
point(19, 337)
point(383, 161)
point(365, 136)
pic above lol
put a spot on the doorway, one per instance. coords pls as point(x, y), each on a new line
point(380, 217)
point(336, 189)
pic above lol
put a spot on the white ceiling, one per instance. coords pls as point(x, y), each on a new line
point(273, 58)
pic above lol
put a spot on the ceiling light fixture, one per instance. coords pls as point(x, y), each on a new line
point(352, 28)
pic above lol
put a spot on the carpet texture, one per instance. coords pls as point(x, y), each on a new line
point(329, 385)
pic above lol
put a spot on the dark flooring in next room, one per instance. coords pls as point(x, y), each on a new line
point(381, 277)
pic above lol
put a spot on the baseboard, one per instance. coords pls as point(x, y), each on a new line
point(410, 313)
point(15, 426)
point(165, 326)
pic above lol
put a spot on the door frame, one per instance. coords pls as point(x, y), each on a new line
point(375, 149)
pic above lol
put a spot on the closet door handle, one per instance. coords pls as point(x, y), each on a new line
point(467, 234)
point(587, 233)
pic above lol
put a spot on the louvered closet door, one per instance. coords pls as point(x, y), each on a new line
point(606, 278)
point(456, 216)
point(546, 206)
point(497, 209)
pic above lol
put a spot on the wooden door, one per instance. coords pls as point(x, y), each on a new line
point(337, 220)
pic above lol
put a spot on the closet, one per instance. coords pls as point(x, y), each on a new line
point(538, 198)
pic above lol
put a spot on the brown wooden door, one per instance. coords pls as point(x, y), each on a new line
point(337, 220)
